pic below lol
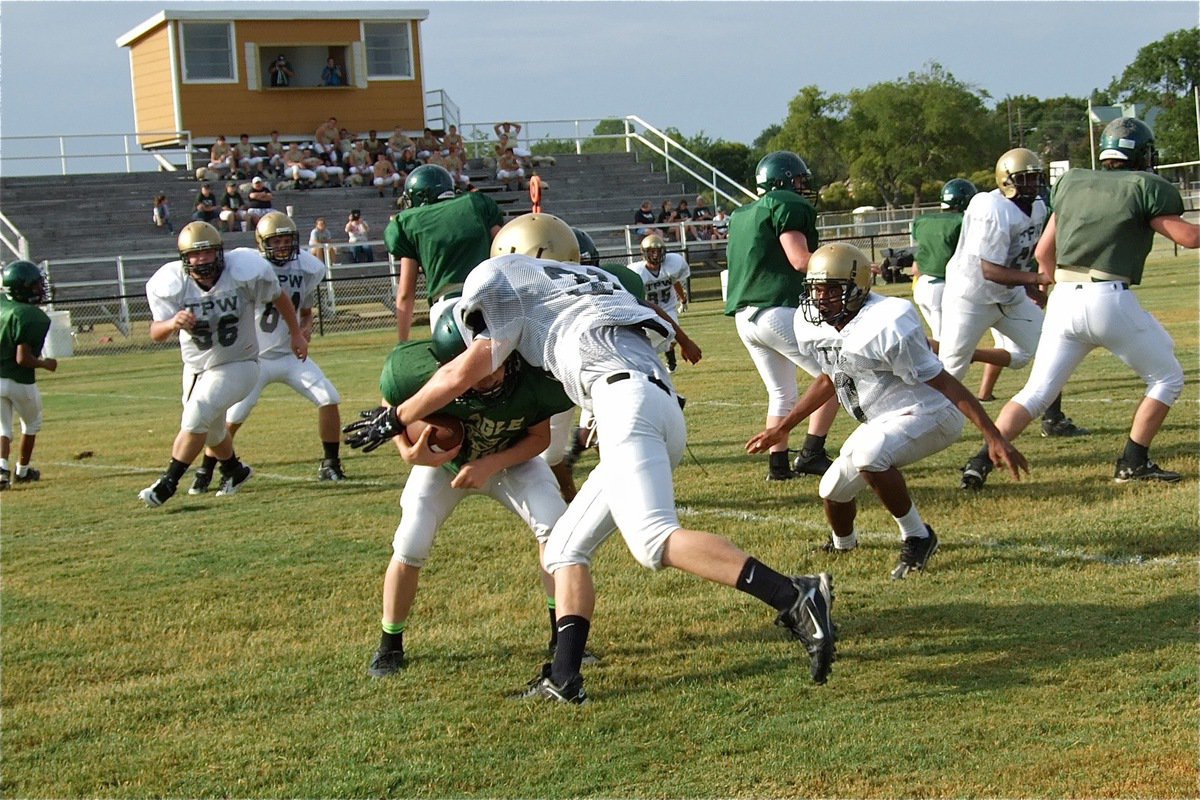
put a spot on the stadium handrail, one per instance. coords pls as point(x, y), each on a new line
point(82, 146)
point(15, 243)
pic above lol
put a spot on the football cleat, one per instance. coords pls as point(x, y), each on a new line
point(234, 482)
point(1149, 471)
point(386, 662)
point(672, 364)
point(158, 492)
point(331, 470)
point(544, 688)
point(915, 552)
point(812, 463)
point(5, 479)
point(202, 481)
point(1061, 427)
point(809, 620)
point(30, 476)
point(975, 473)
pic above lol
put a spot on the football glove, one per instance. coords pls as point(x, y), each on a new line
point(374, 427)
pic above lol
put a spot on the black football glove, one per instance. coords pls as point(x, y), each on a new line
point(374, 427)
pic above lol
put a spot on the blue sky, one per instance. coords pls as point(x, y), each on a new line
point(728, 69)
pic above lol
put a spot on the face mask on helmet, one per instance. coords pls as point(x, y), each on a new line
point(24, 282)
point(278, 239)
point(1019, 174)
point(654, 250)
point(837, 284)
point(201, 252)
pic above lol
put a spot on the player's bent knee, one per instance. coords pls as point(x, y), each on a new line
point(1168, 388)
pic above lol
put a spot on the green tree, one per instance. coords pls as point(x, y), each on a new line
point(899, 135)
point(1056, 129)
point(1166, 73)
point(814, 130)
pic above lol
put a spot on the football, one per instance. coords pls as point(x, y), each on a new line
point(448, 432)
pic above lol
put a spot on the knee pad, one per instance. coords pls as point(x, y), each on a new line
point(1166, 389)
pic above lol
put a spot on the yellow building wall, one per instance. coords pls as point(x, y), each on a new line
point(154, 102)
point(232, 109)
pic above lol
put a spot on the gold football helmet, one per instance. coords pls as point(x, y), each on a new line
point(278, 238)
point(1020, 172)
point(195, 238)
point(836, 264)
point(654, 249)
point(538, 235)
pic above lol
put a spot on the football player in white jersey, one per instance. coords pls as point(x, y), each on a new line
point(871, 352)
point(992, 280)
point(595, 338)
point(665, 277)
point(209, 299)
point(299, 276)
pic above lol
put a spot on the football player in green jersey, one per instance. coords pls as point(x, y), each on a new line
point(507, 421)
point(1094, 247)
point(23, 329)
point(770, 242)
point(442, 234)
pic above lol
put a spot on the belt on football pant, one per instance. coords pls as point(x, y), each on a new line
point(1084, 275)
point(617, 377)
point(451, 293)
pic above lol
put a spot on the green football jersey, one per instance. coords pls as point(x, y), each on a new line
point(448, 239)
point(1102, 218)
point(492, 423)
point(936, 235)
point(759, 271)
point(20, 323)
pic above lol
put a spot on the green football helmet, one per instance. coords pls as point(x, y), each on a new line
point(1019, 172)
point(589, 254)
point(448, 342)
point(1129, 141)
point(782, 169)
point(540, 236)
point(278, 238)
point(25, 282)
point(957, 193)
point(836, 264)
point(428, 184)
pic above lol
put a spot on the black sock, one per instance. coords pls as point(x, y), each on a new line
point(175, 470)
point(813, 444)
point(331, 450)
point(553, 622)
point(1135, 454)
point(568, 656)
point(759, 580)
point(392, 641)
point(983, 454)
point(231, 466)
point(1054, 412)
point(208, 463)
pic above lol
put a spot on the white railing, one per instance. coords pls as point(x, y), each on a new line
point(440, 111)
point(68, 154)
point(15, 243)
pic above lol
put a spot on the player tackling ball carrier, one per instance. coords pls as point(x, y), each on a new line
point(578, 323)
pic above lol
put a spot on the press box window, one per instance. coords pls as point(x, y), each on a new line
point(389, 50)
point(208, 52)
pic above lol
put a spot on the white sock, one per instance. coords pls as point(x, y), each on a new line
point(845, 542)
point(911, 524)
point(22, 470)
point(4, 464)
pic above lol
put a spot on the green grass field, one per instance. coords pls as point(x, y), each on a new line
point(217, 647)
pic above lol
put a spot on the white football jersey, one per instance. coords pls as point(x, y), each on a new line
point(225, 319)
point(660, 286)
point(995, 230)
point(878, 363)
point(298, 279)
point(576, 322)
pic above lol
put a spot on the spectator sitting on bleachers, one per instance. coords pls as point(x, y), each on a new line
point(375, 145)
point(666, 217)
point(684, 214)
point(509, 171)
point(720, 226)
point(643, 218)
point(506, 130)
point(233, 209)
point(219, 160)
point(316, 164)
point(345, 145)
point(205, 207)
point(325, 140)
point(320, 242)
point(275, 150)
point(702, 213)
point(359, 164)
point(258, 202)
point(296, 168)
point(396, 144)
point(385, 174)
point(162, 213)
point(249, 162)
point(456, 164)
point(408, 161)
point(427, 145)
point(453, 138)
